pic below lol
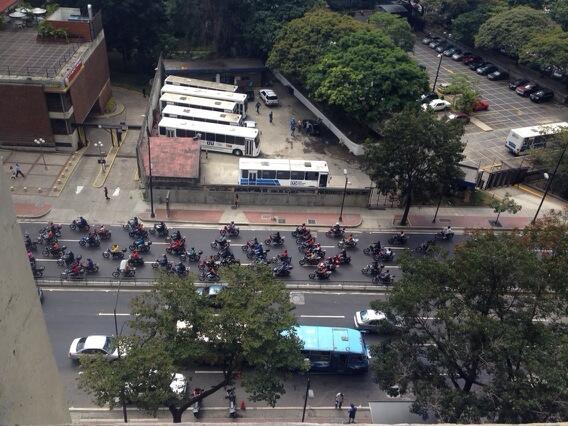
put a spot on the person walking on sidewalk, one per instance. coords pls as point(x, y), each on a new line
point(352, 410)
point(19, 170)
point(257, 107)
point(12, 173)
point(338, 401)
point(236, 201)
point(270, 117)
point(106, 194)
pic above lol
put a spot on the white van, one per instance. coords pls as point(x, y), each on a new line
point(533, 137)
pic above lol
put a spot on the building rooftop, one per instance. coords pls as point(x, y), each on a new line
point(173, 157)
point(6, 4)
point(23, 55)
point(213, 65)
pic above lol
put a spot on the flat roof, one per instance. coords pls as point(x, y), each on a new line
point(202, 126)
point(206, 84)
point(205, 93)
point(194, 100)
point(204, 114)
point(23, 55)
point(212, 65)
point(338, 339)
point(173, 157)
point(529, 132)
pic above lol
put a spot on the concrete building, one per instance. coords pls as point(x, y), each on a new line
point(50, 83)
point(31, 391)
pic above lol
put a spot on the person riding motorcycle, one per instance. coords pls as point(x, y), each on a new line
point(76, 268)
point(133, 222)
point(276, 238)
point(135, 255)
point(401, 236)
point(302, 229)
point(386, 276)
point(177, 244)
point(163, 261)
point(92, 238)
point(115, 248)
point(447, 231)
point(50, 236)
point(192, 252)
point(321, 269)
point(160, 227)
point(27, 240)
point(90, 265)
point(81, 223)
point(343, 254)
point(284, 258)
point(349, 239)
point(180, 268)
point(376, 247)
point(231, 227)
point(336, 229)
point(176, 236)
point(376, 268)
point(55, 246)
point(69, 257)
point(259, 251)
point(31, 258)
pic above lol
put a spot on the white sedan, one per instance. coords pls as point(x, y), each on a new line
point(93, 345)
point(437, 105)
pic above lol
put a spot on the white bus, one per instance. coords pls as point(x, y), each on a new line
point(214, 137)
point(195, 102)
point(197, 114)
point(526, 138)
point(201, 84)
point(281, 172)
point(239, 98)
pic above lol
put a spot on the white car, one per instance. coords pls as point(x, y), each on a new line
point(93, 345)
point(251, 124)
point(268, 97)
point(371, 320)
point(437, 105)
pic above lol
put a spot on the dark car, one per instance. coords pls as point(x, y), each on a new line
point(459, 56)
point(426, 40)
point(516, 83)
point(527, 89)
point(498, 75)
point(426, 98)
point(542, 95)
point(450, 51)
point(435, 42)
point(468, 59)
point(475, 65)
point(442, 46)
point(486, 69)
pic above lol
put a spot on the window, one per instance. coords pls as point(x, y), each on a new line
point(283, 174)
point(181, 133)
point(269, 174)
point(163, 131)
point(230, 139)
point(220, 138)
point(245, 174)
point(239, 140)
point(297, 175)
point(312, 175)
point(61, 127)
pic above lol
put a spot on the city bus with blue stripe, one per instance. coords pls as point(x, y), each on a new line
point(239, 98)
point(283, 172)
point(334, 349)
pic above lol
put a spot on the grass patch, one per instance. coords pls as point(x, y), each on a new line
point(476, 199)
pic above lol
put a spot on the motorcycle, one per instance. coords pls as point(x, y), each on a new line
point(425, 247)
point(159, 264)
point(30, 245)
point(65, 260)
point(383, 278)
point(320, 276)
point(177, 248)
point(448, 236)
point(342, 260)
point(282, 270)
point(141, 245)
point(384, 255)
point(310, 260)
point(44, 239)
point(216, 244)
point(49, 251)
point(138, 261)
point(103, 233)
point(76, 225)
point(123, 273)
point(306, 245)
point(180, 271)
point(261, 258)
point(230, 231)
point(194, 256)
point(276, 243)
point(38, 271)
point(114, 255)
point(331, 264)
point(300, 239)
point(228, 261)
point(138, 233)
point(86, 241)
point(250, 245)
point(131, 225)
point(91, 270)
point(397, 240)
point(335, 233)
point(371, 250)
point(209, 276)
point(161, 231)
point(225, 253)
point(369, 270)
point(300, 231)
point(55, 228)
point(70, 275)
point(343, 243)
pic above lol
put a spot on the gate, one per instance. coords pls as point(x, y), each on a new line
point(499, 178)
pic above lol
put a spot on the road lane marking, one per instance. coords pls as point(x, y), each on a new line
point(323, 316)
point(116, 192)
point(110, 314)
point(46, 260)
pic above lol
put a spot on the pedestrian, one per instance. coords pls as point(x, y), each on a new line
point(106, 193)
point(13, 173)
point(299, 125)
point(352, 410)
point(292, 129)
point(19, 170)
point(236, 201)
point(144, 91)
point(338, 401)
point(270, 117)
point(257, 107)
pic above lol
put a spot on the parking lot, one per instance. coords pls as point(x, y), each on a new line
point(485, 135)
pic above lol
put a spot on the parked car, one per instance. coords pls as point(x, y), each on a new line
point(471, 58)
point(426, 98)
point(542, 95)
point(481, 105)
point(443, 46)
point(498, 74)
point(450, 51)
point(516, 83)
point(268, 97)
point(93, 345)
point(458, 56)
point(486, 69)
point(460, 116)
point(435, 42)
point(527, 89)
point(437, 105)
point(426, 40)
point(476, 64)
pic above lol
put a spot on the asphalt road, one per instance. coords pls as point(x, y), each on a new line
point(76, 313)
point(201, 239)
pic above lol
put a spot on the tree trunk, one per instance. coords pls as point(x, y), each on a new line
point(408, 200)
point(176, 414)
point(497, 220)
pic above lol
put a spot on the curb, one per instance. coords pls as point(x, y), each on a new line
point(35, 215)
point(147, 218)
point(112, 114)
point(102, 176)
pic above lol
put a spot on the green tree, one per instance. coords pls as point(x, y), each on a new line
point(547, 48)
point(397, 28)
point(509, 30)
point(505, 204)
point(466, 25)
point(472, 344)
point(417, 153)
point(246, 328)
point(365, 74)
point(303, 41)
point(441, 12)
point(549, 157)
point(535, 4)
point(559, 12)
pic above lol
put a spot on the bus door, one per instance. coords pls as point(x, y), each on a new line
point(249, 147)
point(339, 362)
point(322, 180)
point(170, 133)
point(252, 177)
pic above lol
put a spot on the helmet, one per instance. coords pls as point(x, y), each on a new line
point(337, 223)
point(232, 222)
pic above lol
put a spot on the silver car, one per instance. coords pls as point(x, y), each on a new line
point(93, 345)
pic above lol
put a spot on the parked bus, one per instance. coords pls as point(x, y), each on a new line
point(214, 137)
point(281, 172)
point(195, 102)
point(533, 137)
point(200, 84)
point(239, 98)
point(334, 349)
point(197, 114)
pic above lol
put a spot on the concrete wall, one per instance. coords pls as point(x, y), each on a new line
point(31, 391)
point(355, 149)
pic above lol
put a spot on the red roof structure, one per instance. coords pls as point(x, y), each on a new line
point(6, 4)
point(173, 159)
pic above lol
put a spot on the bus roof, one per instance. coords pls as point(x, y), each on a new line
point(201, 113)
point(202, 126)
point(546, 129)
point(303, 165)
point(205, 93)
point(205, 84)
point(194, 100)
point(338, 339)
point(282, 164)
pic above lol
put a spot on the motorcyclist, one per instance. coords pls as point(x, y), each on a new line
point(50, 236)
point(115, 248)
point(349, 239)
point(180, 268)
point(311, 242)
point(402, 236)
point(259, 251)
point(376, 247)
point(321, 269)
point(163, 261)
point(284, 258)
point(81, 223)
point(176, 236)
point(336, 229)
point(177, 244)
point(27, 240)
point(76, 268)
point(161, 227)
point(135, 255)
point(447, 231)
point(69, 258)
point(386, 276)
point(90, 265)
point(133, 222)
point(343, 254)
point(277, 238)
point(192, 252)
point(55, 246)
point(92, 238)
point(31, 258)
point(376, 268)
point(387, 252)
point(231, 226)
point(302, 229)
point(50, 227)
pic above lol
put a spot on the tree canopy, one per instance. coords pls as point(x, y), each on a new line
point(367, 76)
point(245, 328)
point(480, 338)
point(466, 25)
point(548, 158)
point(397, 28)
point(547, 48)
point(417, 154)
point(509, 30)
point(559, 12)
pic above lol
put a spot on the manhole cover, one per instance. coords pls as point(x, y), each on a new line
point(297, 299)
point(311, 222)
point(280, 220)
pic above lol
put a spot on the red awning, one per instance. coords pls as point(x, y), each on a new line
point(6, 4)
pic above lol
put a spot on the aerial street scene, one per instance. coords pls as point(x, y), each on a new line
point(283, 212)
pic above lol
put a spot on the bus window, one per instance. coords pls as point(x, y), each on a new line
point(162, 131)
point(297, 175)
point(283, 174)
point(269, 174)
point(312, 175)
point(323, 181)
point(170, 133)
point(245, 174)
point(230, 139)
point(319, 359)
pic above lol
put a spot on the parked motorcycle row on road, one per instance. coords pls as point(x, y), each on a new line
point(257, 251)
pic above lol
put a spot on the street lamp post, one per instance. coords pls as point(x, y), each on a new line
point(40, 142)
point(437, 72)
point(100, 147)
point(122, 398)
point(550, 182)
point(152, 214)
point(343, 199)
point(308, 383)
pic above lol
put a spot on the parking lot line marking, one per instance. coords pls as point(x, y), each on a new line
point(110, 314)
point(449, 70)
point(480, 124)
